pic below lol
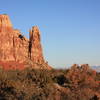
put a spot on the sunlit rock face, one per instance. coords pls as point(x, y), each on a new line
point(15, 47)
point(35, 49)
point(5, 21)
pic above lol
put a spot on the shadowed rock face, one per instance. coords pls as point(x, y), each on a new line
point(15, 47)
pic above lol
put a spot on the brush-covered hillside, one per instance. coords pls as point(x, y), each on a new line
point(76, 83)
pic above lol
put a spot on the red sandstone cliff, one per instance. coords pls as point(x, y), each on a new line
point(15, 47)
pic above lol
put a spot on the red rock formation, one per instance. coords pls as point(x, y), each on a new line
point(35, 49)
point(5, 23)
point(15, 47)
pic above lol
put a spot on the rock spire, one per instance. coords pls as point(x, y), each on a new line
point(35, 49)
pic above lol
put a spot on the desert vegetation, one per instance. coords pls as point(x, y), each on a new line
point(76, 83)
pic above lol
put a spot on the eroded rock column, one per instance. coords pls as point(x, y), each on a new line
point(35, 49)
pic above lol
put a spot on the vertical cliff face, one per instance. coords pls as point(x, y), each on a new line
point(15, 47)
point(6, 37)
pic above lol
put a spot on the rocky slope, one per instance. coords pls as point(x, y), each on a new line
point(14, 47)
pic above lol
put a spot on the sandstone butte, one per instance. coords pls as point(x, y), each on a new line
point(18, 52)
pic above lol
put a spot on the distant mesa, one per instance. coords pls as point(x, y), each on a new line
point(14, 47)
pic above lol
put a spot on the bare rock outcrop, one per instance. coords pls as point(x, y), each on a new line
point(15, 47)
point(5, 22)
point(35, 49)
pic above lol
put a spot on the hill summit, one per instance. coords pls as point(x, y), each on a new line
point(15, 48)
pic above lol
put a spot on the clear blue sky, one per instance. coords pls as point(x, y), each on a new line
point(70, 28)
